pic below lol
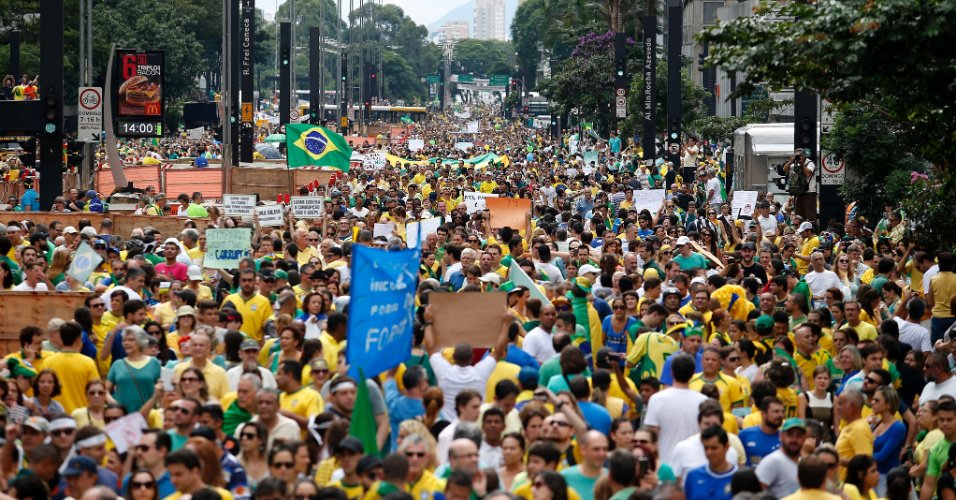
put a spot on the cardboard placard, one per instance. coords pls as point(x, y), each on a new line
point(226, 247)
point(239, 204)
point(308, 207)
point(649, 199)
point(375, 160)
point(510, 212)
point(383, 229)
point(270, 215)
point(475, 201)
point(125, 432)
point(713, 258)
point(472, 317)
point(416, 144)
point(743, 204)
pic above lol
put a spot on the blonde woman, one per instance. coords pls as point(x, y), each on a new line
point(56, 273)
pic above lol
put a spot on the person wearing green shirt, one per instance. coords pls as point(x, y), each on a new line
point(687, 258)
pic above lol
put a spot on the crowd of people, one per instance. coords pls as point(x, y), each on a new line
point(682, 352)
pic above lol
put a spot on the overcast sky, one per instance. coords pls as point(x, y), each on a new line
point(422, 11)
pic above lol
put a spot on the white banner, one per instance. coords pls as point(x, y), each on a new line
point(239, 204)
point(308, 207)
point(269, 215)
point(743, 204)
point(475, 202)
point(374, 161)
point(194, 133)
point(463, 146)
point(649, 199)
point(416, 144)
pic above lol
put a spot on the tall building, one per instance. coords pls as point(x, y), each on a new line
point(490, 20)
point(454, 30)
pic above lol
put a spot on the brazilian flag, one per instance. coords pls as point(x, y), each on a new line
point(311, 145)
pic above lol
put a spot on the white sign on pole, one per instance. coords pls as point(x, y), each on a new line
point(743, 204)
point(374, 161)
point(649, 199)
point(89, 119)
point(307, 207)
point(194, 133)
point(416, 144)
point(620, 106)
point(833, 171)
point(269, 215)
point(475, 201)
point(239, 204)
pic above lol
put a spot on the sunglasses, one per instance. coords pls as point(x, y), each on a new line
point(733, 360)
point(642, 441)
point(96, 393)
point(283, 465)
point(144, 485)
point(189, 379)
point(62, 432)
point(419, 454)
point(619, 308)
point(872, 381)
point(98, 305)
point(321, 371)
point(559, 423)
point(247, 435)
point(313, 239)
point(180, 409)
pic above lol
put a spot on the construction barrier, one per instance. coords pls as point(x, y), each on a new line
point(123, 224)
point(140, 175)
point(207, 181)
point(20, 309)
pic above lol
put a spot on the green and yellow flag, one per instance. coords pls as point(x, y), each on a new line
point(311, 145)
point(363, 425)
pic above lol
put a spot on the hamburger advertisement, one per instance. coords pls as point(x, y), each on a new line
point(140, 91)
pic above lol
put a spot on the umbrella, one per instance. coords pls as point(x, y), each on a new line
point(275, 138)
point(268, 151)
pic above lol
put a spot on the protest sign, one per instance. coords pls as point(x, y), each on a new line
point(126, 432)
point(521, 278)
point(463, 146)
point(382, 310)
point(194, 133)
point(239, 204)
point(383, 229)
point(472, 127)
point(475, 201)
point(590, 156)
point(510, 212)
point(743, 204)
point(649, 199)
point(269, 215)
point(84, 262)
point(374, 161)
point(308, 207)
point(470, 317)
point(416, 144)
point(226, 247)
point(415, 232)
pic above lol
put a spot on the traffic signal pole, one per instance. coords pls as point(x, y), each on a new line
point(51, 97)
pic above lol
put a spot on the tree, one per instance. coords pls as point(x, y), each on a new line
point(479, 57)
point(830, 46)
point(721, 128)
point(526, 32)
point(693, 107)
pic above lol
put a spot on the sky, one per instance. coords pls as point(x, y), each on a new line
point(422, 11)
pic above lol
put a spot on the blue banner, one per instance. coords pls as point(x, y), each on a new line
point(382, 309)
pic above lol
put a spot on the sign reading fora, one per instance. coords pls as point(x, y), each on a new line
point(138, 87)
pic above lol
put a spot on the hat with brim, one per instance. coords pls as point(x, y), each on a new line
point(249, 345)
point(185, 311)
point(583, 284)
point(350, 444)
point(37, 423)
point(19, 368)
point(793, 423)
point(78, 465)
point(490, 278)
point(764, 322)
point(588, 269)
point(694, 332)
point(508, 287)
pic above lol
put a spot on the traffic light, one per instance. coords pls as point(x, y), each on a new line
point(285, 55)
point(51, 112)
point(700, 61)
point(345, 68)
point(805, 120)
point(368, 109)
point(673, 128)
point(620, 60)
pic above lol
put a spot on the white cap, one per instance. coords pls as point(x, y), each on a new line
point(89, 231)
point(490, 278)
point(587, 269)
point(70, 230)
point(805, 226)
point(683, 240)
point(698, 281)
point(194, 273)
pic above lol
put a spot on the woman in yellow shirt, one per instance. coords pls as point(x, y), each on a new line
point(861, 478)
point(942, 289)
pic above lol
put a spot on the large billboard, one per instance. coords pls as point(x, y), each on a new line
point(139, 90)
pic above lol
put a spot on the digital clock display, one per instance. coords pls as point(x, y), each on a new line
point(139, 128)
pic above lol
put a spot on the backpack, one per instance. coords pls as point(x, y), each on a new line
point(797, 182)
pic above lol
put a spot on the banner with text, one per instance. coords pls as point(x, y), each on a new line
point(308, 207)
point(510, 212)
point(269, 215)
point(226, 247)
point(743, 204)
point(475, 201)
point(649, 199)
point(239, 204)
point(382, 310)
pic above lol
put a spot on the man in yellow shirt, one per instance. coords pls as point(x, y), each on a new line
point(731, 396)
point(73, 369)
point(297, 401)
point(256, 311)
point(422, 483)
point(200, 347)
point(856, 438)
point(810, 243)
point(807, 351)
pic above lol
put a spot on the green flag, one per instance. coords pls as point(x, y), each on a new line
point(363, 421)
point(313, 145)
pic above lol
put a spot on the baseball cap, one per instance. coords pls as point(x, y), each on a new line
point(78, 465)
point(683, 240)
point(490, 278)
point(89, 231)
point(793, 423)
point(507, 286)
point(38, 423)
point(748, 246)
point(248, 344)
point(671, 291)
point(194, 273)
point(350, 444)
point(698, 280)
point(368, 463)
point(587, 269)
point(70, 230)
point(527, 375)
point(805, 227)
point(764, 322)
point(583, 284)
point(281, 274)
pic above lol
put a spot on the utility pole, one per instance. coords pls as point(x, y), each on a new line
point(227, 90)
point(675, 20)
point(51, 97)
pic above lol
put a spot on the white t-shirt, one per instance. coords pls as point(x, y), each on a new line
point(690, 156)
point(933, 391)
point(538, 344)
point(689, 454)
point(553, 272)
point(25, 287)
point(820, 282)
point(768, 225)
point(453, 378)
point(928, 275)
point(674, 412)
point(714, 185)
point(915, 335)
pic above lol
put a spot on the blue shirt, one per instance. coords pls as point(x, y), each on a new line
point(887, 446)
point(596, 416)
point(758, 444)
point(163, 484)
point(667, 378)
point(32, 199)
point(400, 407)
point(703, 484)
point(235, 476)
